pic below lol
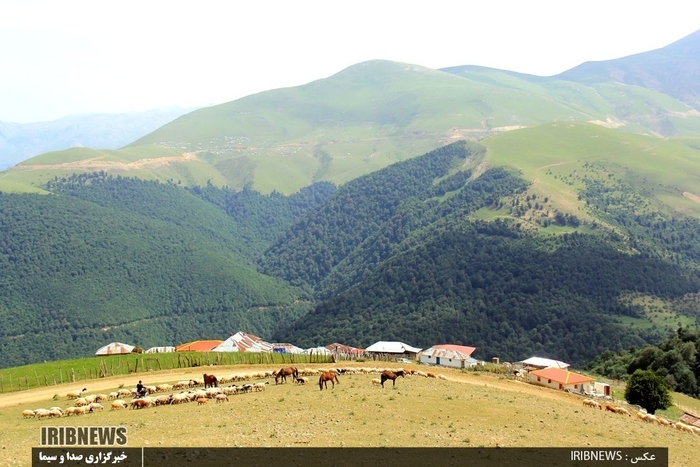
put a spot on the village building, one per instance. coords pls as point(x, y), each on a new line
point(243, 342)
point(286, 348)
point(165, 349)
point(534, 363)
point(559, 378)
point(115, 348)
point(198, 346)
point(345, 351)
point(455, 356)
point(391, 350)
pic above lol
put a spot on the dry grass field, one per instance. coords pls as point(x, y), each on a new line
point(464, 410)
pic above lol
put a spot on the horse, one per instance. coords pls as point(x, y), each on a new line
point(210, 381)
point(392, 375)
point(328, 376)
point(284, 372)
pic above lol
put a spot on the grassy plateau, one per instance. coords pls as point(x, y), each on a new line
point(465, 409)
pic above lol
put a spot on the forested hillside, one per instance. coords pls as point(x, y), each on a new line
point(676, 358)
point(397, 256)
point(147, 263)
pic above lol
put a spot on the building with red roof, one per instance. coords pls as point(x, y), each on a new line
point(198, 346)
point(560, 378)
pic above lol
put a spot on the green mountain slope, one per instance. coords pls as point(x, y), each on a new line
point(410, 260)
point(120, 259)
point(358, 121)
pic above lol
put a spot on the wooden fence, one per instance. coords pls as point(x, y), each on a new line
point(56, 373)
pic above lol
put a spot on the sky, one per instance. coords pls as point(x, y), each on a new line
point(69, 57)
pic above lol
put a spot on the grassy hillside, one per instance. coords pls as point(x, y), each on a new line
point(360, 120)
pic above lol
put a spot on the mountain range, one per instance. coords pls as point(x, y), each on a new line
point(20, 141)
point(515, 213)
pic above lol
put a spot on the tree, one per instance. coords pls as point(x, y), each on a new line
point(646, 389)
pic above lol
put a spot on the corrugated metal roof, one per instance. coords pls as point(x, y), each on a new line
point(243, 342)
point(344, 349)
point(455, 352)
point(391, 347)
point(562, 376)
point(198, 346)
point(545, 362)
point(690, 419)
point(115, 348)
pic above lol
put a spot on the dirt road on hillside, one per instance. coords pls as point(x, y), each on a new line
point(106, 385)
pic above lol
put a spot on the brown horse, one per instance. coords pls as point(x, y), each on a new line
point(328, 376)
point(392, 375)
point(210, 381)
point(284, 372)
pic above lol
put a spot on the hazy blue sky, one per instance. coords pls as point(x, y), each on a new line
point(62, 57)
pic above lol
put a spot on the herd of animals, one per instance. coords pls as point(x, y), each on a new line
point(210, 387)
point(641, 415)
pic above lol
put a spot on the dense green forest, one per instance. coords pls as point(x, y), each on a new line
point(399, 254)
point(147, 263)
point(676, 359)
point(412, 265)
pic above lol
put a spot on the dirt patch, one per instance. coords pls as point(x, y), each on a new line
point(691, 196)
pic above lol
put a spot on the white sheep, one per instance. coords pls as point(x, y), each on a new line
point(94, 406)
point(113, 396)
point(81, 402)
point(180, 398)
point(376, 381)
point(221, 398)
point(28, 414)
point(81, 410)
point(41, 413)
point(119, 404)
point(75, 394)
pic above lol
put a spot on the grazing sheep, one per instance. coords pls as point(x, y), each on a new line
point(69, 411)
point(376, 381)
point(81, 402)
point(610, 408)
point(221, 398)
point(163, 387)
point(95, 406)
point(623, 411)
point(430, 375)
point(179, 398)
point(119, 404)
point(202, 401)
point(683, 427)
point(55, 413)
point(90, 399)
point(28, 414)
point(80, 410)
point(124, 392)
point(101, 397)
point(75, 394)
point(260, 386)
point(141, 403)
point(441, 376)
point(113, 395)
point(163, 400)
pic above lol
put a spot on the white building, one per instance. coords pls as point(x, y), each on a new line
point(455, 356)
point(392, 349)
